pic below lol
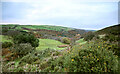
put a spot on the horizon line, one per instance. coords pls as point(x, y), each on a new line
point(54, 25)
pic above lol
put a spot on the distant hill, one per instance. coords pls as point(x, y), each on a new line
point(110, 30)
point(45, 29)
point(110, 33)
point(90, 30)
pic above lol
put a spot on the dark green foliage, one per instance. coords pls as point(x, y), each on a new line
point(89, 36)
point(4, 29)
point(115, 30)
point(111, 38)
point(114, 47)
point(6, 44)
point(26, 38)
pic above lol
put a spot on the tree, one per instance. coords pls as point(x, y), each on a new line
point(26, 38)
point(66, 40)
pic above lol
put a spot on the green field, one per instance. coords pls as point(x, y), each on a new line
point(5, 38)
point(49, 43)
point(81, 41)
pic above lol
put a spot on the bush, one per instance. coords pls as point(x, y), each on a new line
point(26, 38)
point(24, 67)
point(66, 40)
point(111, 38)
point(22, 49)
point(92, 57)
point(37, 55)
point(6, 44)
point(30, 58)
point(92, 61)
point(114, 47)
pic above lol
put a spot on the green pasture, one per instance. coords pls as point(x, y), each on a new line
point(49, 43)
point(81, 41)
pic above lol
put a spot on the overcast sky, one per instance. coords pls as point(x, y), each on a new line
point(68, 13)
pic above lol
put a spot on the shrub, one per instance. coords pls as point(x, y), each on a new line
point(6, 44)
point(111, 38)
point(22, 49)
point(24, 67)
point(66, 40)
point(92, 57)
point(114, 47)
point(37, 55)
point(26, 38)
point(92, 61)
point(30, 58)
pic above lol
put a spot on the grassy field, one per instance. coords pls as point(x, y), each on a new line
point(5, 38)
point(81, 41)
point(49, 43)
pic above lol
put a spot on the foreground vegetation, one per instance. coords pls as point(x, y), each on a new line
point(90, 52)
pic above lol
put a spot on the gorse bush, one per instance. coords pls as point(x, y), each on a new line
point(112, 43)
point(111, 38)
point(94, 57)
point(22, 49)
point(113, 46)
point(26, 38)
point(92, 61)
point(91, 57)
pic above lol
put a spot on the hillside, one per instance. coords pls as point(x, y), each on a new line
point(44, 49)
point(47, 27)
point(110, 30)
point(111, 33)
point(43, 30)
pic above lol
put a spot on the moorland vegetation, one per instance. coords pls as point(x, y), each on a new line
point(30, 48)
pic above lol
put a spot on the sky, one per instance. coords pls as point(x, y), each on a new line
point(68, 13)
